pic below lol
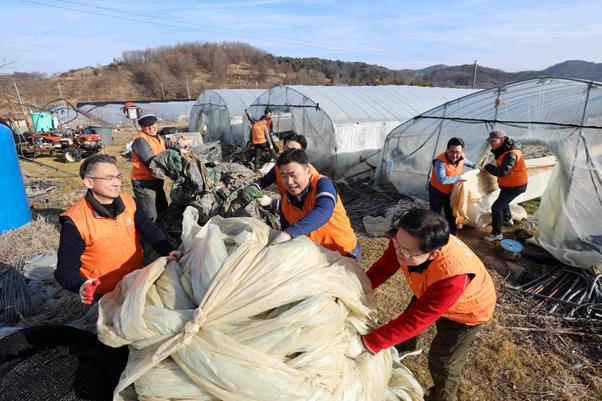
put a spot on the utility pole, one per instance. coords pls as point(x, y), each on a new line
point(187, 86)
point(61, 92)
point(474, 75)
point(34, 101)
point(20, 101)
point(162, 90)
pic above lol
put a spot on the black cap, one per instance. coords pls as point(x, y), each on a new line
point(147, 120)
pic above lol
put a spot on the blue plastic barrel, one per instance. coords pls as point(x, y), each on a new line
point(14, 208)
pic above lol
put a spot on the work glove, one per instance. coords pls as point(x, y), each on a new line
point(250, 193)
point(87, 290)
point(355, 347)
point(264, 201)
point(281, 237)
point(476, 170)
point(175, 255)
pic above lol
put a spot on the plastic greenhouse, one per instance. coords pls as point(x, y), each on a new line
point(346, 126)
point(565, 115)
point(111, 113)
point(218, 114)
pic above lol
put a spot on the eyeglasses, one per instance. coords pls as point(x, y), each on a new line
point(403, 251)
point(117, 177)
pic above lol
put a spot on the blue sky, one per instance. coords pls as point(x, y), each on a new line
point(56, 35)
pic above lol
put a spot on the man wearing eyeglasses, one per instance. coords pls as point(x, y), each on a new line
point(100, 234)
point(451, 288)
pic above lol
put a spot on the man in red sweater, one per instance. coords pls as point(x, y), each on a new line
point(451, 288)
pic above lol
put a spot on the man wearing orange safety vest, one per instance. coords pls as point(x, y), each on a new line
point(100, 234)
point(148, 189)
point(295, 141)
point(447, 170)
point(511, 172)
point(261, 139)
point(311, 206)
point(451, 288)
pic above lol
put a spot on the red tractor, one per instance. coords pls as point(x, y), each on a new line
point(54, 142)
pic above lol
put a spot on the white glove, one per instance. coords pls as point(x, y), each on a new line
point(355, 347)
point(282, 237)
point(264, 201)
point(476, 170)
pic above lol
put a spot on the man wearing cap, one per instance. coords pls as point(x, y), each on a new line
point(148, 189)
point(511, 172)
point(100, 234)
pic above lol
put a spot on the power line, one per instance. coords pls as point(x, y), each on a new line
point(194, 26)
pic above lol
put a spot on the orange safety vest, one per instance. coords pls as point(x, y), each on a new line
point(336, 234)
point(139, 169)
point(280, 184)
point(451, 170)
point(258, 133)
point(113, 246)
point(476, 304)
point(518, 174)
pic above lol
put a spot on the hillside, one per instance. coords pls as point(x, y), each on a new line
point(185, 70)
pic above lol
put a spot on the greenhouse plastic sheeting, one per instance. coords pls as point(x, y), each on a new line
point(218, 114)
point(111, 114)
point(238, 320)
point(565, 115)
point(346, 126)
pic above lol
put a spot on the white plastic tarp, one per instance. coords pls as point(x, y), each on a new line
point(346, 126)
point(564, 115)
point(238, 320)
point(219, 114)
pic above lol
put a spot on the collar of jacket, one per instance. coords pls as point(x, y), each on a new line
point(101, 211)
point(456, 162)
point(419, 268)
point(301, 198)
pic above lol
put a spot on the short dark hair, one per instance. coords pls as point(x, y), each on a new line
point(292, 155)
point(455, 142)
point(262, 117)
point(300, 139)
point(90, 162)
point(428, 227)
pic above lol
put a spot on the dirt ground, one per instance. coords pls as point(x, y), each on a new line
point(522, 354)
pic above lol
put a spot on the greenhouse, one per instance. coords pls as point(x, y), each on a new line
point(112, 113)
point(563, 115)
point(218, 114)
point(346, 126)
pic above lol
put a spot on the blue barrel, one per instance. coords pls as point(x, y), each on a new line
point(14, 208)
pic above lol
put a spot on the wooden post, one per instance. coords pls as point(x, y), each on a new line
point(162, 90)
point(20, 102)
point(187, 86)
point(61, 92)
point(474, 75)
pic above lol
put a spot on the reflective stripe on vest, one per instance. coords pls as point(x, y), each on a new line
point(280, 184)
point(518, 175)
point(258, 133)
point(476, 304)
point(113, 246)
point(451, 170)
point(336, 234)
point(139, 169)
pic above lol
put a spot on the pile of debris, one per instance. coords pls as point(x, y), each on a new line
point(201, 180)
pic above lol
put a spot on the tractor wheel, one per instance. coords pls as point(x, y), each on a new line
point(71, 155)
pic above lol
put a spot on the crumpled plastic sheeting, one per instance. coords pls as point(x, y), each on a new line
point(238, 320)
